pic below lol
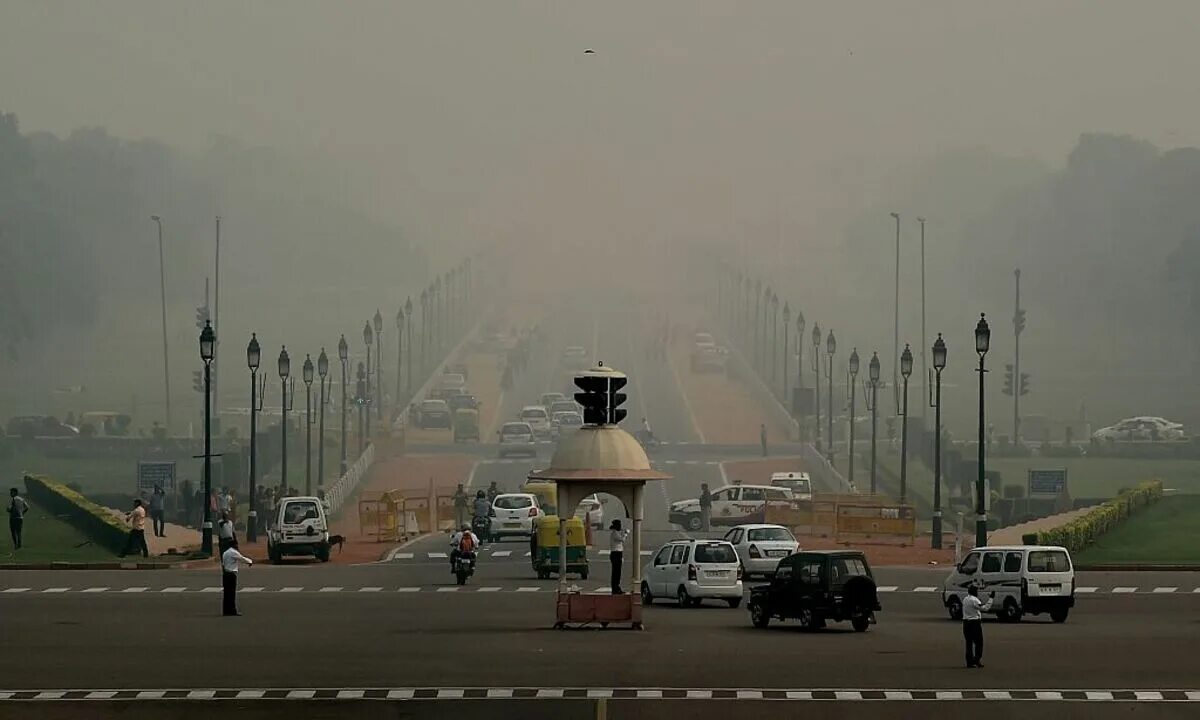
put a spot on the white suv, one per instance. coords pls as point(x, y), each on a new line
point(731, 505)
point(692, 570)
point(516, 438)
point(299, 528)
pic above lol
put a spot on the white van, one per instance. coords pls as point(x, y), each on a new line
point(1027, 579)
point(691, 570)
point(299, 528)
point(798, 482)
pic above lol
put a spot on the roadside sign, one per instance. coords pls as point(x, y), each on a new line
point(155, 473)
point(1045, 483)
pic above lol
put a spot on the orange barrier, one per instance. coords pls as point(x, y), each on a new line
point(845, 515)
point(876, 520)
point(380, 516)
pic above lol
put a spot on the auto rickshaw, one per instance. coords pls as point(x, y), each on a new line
point(544, 547)
point(546, 493)
point(466, 425)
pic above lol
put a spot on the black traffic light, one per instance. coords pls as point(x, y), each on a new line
point(1019, 321)
point(202, 316)
point(599, 397)
point(1008, 379)
point(615, 399)
point(1024, 383)
point(198, 381)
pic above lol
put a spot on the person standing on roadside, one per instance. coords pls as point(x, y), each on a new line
point(158, 515)
point(492, 491)
point(17, 508)
point(229, 578)
point(705, 507)
point(137, 530)
point(616, 553)
point(972, 622)
point(460, 506)
point(762, 438)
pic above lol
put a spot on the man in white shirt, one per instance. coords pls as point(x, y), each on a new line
point(972, 619)
point(616, 553)
point(229, 577)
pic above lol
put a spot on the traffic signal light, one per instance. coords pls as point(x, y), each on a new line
point(1019, 321)
point(599, 397)
point(1008, 379)
point(201, 316)
point(198, 381)
point(615, 413)
point(1024, 383)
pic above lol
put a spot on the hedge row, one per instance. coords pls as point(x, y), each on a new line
point(91, 519)
point(1087, 528)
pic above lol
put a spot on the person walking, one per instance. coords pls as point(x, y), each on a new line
point(460, 506)
point(705, 507)
point(137, 530)
point(229, 578)
point(158, 516)
point(17, 508)
point(762, 438)
point(616, 553)
point(972, 621)
point(226, 538)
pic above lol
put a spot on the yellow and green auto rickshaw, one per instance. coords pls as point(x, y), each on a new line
point(544, 547)
point(466, 425)
point(546, 494)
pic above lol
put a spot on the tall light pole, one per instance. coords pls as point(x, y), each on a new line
point(360, 397)
point(757, 321)
point(983, 341)
point(322, 372)
point(253, 360)
point(399, 358)
point(787, 321)
point(424, 329)
point(368, 336)
point(830, 348)
point(408, 314)
point(816, 362)
point(853, 389)
point(799, 362)
point(307, 374)
point(774, 336)
point(939, 364)
point(162, 284)
point(285, 370)
point(873, 377)
point(924, 342)
point(896, 308)
point(208, 341)
point(378, 319)
point(344, 358)
point(906, 364)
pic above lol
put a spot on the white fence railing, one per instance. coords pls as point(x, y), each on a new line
point(345, 485)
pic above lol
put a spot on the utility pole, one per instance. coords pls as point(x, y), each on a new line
point(1018, 326)
point(162, 283)
point(896, 314)
point(216, 396)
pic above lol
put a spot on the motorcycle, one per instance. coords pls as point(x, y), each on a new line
point(482, 527)
point(464, 567)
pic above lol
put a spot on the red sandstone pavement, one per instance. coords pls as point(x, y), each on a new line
point(724, 409)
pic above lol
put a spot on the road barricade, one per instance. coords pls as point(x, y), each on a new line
point(876, 521)
point(381, 516)
point(846, 517)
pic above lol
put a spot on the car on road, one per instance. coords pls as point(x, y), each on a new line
point(798, 482)
point(463, 402)
point(1027, 580)
point(548, 399)
point(516, 438)
point(434, 414)
point(761, 547)
point(538, 419)
point(40, 426)
point(513, 514)
point(299, 527)
point(452, 380)
point(591, 512)
point(815, 587)
point(731, 505)
point(565, 422)
point(1143, 428)
point(575, 357)
point(562, 406)
point(693, 570)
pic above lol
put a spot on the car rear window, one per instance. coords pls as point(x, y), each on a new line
point(1049, 561)
point(514, 430)
point(770, 534)
point(515, 502)
point(715, 553)
point(296, 512)
point(845, 568)
point(533, 413)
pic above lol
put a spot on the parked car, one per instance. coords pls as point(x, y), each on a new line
point(538, 419)
point(299, 528)
point(731, 505)
point(40, 426)
point(1141, 428)
point(1027, 579)
point(798, 482)
point(513, 514)
point(434, 414)
point(761, 547)
point(815, 587)
point(565, 422)
point(694, 570)
point(591, 511)
point(516, 438)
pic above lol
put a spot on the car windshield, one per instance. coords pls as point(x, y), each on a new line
point(1049, 561)
point(433, 405)
point(514, 430)
point(296, 512)
point(844, 568)
point(716, 553)
point(770, 534)
point(513, 502)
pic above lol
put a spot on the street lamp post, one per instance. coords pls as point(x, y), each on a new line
point(816, 362)
point(322, 372)
point(307, 374)
point(896, 305)
point(787, 322)
point(208, 340)
point(830, 348)
point(408, 314)
point(399, 357)
point(799, 359)
point(853, 388)
point(378, 366)
point(368, 337)
point(285, 369)
point(774, 337)
point(757, 320)
point(983, 341)
point(939, 364)
point(360, 399)
point(873, 384)
point(424, 328)
point(344, 357)
point(253, 360)
point(906, 365)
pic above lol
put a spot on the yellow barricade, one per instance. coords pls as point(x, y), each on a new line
point(379, 515)
point(845, 515)
point(876, 520)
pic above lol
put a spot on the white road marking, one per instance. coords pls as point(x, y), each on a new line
point(330, 588)
point(502, 553)
point(101, 695)
point(402, 556)
point(1086, 589)
point(210, 590)
point(925, 589)
point(1160, 590)
point(290, 589)
point(1124, 590)
point(301, 694)
point(489, 589)
point(408, 589)
point(174, 589)
point(350, 694)
point(251, 589)
point(370, 589)
point(95, 589)
point(251, 694)
point(887, 588)
point(528, 589)
point(448, 589)
point(16, 590)
point(135, 589)
point(400, 694)
point(56, 590)
point(437, 555)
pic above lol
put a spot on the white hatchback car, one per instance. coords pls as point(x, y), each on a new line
point(516, 438)
point(591, 511)
point(514, 514)
point(692, 570)
point(538, 419)
point(761, 547)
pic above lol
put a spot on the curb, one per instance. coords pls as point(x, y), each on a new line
point(97, 566)
point(1117, 567)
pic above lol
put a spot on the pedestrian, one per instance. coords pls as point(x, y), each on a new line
point(492, 491)
point(616, 553)
point(196, 508)
point(17, 507)
point(972, 622)
point(460, 506)
point(762, 438)
point(226, 538)
point(137, 530)
point(705, 507)
point(224, 502)
point(158, 516)
point(229, 578)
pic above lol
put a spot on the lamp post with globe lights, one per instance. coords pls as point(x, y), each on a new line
point(983, 341)
point(787, 322)
point(853, 388)
point(378, 320)
point(939, 364)
point(323, 373)
point(253, 361)
point(816, 363)
point(307, 375)
point(873, 385)
point(906, 366)
point(208, 341)
point(344, 358)
point(830, 349)
point(285, 371)
point(368, 338)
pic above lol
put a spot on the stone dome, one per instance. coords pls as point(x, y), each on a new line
point(599, 453)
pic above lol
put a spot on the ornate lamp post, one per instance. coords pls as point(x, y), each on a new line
point(853, 388)
point(378, 319)
point(816, 363)
point(344, 357)
point(368, 337)
point(408, 314)
point(873, 384)
point(253, 360)
point(983, 341)
point(208, 341)
point(787, 322)
point(939, 364)
point(307, 375)
point(399, 357)
point(774, 337)
point(830, 348)
point(360, 399)
point(799, 358)
point(285, 370)
point(906, 365)
point(322, 372)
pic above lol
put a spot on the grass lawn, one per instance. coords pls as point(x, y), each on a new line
point(48, 539)
point(1103, 477)
point(1166, 532)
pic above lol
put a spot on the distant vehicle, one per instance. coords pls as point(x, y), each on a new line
point(516, 438)
point(693, 570)
point(817, 586)
point(575, 357)
point(761, 547)
point(445, 393)
point(731, 505)
point(299, 528)
point(457, 369)
point(40, 426)
point(514, 514)
point(538, 419)
point(565, 422)
point(452, 380)
point(798, 482)
point(106, 423)
point(463, 402)
point(1141, 428)
point(707, 355)
point(434, 414)
point(1027, 579)
point(548, 399)
point(562, 406)
point(591, 512)
point(703, 339)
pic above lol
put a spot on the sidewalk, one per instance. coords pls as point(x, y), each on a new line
point(1012, 535)
point(183, 539)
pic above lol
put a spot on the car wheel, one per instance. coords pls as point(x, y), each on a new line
point(685, 600)
point(734, 602)
point(1010, 612)
point(954, 607)
point(759, 615)
point(695, 523)
point(861, 622)
point(1059, 616)
point(808, 621)
point(647, 596)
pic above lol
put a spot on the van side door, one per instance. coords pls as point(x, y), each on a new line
point(723, 510)
point(991, 576)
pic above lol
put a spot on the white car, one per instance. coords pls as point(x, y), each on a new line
point(1141, 428)
point(513, 514)
point(565, 422)
point(731, 505)
point(299, 528)
point(562, 406)
point(548, 399)
point(693, 570)
point(761, 547)
point(516, 438)
point(538, 419)
point(798, 482)
point(591, 511)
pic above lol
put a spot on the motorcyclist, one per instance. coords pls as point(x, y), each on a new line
point(647, 435)
point(457, 544)
point(482, 510)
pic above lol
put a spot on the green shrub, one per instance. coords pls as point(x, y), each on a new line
point(1084, 530)
point(89, 518)
point(1029, 539)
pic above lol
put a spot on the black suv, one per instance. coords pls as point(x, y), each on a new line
point(815, 586)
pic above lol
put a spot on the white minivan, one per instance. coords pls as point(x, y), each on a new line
point(1027, 579)
point(692, 570)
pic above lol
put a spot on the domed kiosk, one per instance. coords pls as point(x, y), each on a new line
point(600, 458)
